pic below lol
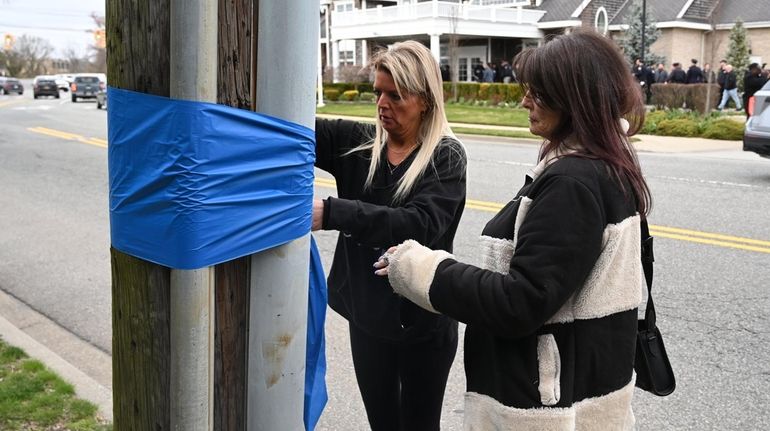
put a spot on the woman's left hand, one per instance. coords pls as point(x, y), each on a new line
point(381, 266)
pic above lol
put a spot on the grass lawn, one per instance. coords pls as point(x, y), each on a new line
point(455, 113)
point(34, 398)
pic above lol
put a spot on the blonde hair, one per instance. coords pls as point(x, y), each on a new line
point(416, 73)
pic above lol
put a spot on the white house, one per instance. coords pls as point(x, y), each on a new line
point(496, 30)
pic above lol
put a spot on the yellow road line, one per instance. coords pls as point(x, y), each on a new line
point(716, 239)
point(710, 241)
point(9, 102)
point(69, 136)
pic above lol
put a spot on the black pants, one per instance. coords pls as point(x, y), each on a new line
point(402, 385)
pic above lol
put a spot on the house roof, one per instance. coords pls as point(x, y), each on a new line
point(748, 11)
point(558, 10)
point(660, 10)
point(700, 11)
point(695, 11)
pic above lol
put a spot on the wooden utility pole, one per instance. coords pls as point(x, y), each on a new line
point(139, 59)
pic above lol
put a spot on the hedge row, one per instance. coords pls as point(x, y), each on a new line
point(679, 123)
point(690, 96)
point(493, 93)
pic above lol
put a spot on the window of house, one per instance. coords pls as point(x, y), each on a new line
point(343, 6)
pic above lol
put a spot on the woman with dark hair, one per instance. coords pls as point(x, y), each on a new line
point(552, 314)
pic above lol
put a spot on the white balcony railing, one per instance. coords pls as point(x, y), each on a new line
point(443, 10)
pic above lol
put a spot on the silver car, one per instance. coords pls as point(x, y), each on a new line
point(756, 136)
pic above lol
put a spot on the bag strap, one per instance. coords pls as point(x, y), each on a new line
point(647, 259)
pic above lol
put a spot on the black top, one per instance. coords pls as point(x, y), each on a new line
point(369, 223)
point(574, 204)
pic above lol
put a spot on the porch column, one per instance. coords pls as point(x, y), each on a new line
point(435, 47)
point(335, 60)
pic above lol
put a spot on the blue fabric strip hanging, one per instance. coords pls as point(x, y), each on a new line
point(195, 184)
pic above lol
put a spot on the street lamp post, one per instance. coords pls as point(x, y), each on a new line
point(644, 28)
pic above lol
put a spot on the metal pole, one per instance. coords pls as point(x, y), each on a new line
point(644, 28)
point(193, 64)
point(279, 276)
point(320, 88)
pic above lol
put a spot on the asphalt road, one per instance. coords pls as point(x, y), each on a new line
point(711, 274)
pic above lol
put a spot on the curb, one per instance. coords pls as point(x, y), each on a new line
point(17, 321)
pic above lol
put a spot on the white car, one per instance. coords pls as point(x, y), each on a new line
point(756, 135)
point(63, 81)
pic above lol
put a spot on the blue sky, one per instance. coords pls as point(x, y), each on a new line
point(64, 23)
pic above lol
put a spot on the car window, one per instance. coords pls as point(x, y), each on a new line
point(87, 79)
point(13, 81)
point(46, 81)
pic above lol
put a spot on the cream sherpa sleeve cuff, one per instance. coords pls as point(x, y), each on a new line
point(411, 271)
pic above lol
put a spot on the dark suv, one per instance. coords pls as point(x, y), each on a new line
point(45, 86)
point(85, 87)
point(10, 85)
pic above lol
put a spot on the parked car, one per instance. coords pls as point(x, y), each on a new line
point(756, 135)
point(45, 85)
point(101, 99)
point(10, 85)
point(86, 86)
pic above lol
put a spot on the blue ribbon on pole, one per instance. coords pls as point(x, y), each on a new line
point(194, 184)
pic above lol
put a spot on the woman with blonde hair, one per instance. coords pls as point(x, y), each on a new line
point(552, 313)
point(402, 177)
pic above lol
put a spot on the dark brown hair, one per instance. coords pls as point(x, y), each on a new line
point(583, 77)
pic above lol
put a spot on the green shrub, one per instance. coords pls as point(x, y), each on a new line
point(651, 121)
point(513, 93)
point(723, 128)
point(332, 95)
point(484, 91)
point(677, 127)
point(367, 97)
point(364, 87)
point(468, 90)
point(350, 95)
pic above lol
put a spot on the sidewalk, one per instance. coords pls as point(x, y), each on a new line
point(645, 143)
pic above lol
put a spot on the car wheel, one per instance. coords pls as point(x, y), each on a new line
point(35, 96)
point(57, 96)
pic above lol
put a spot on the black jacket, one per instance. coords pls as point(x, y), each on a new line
point(694, 75)
point(552, 313)
point(369, 224)
point(731, 81)
point(677, 76)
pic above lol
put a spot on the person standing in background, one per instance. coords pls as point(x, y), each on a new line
point(694, 73)
point(752, 82)
point(731, 89)
point(661, 75)
point(677, 75)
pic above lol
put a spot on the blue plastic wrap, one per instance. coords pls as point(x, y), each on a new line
point(195, 184)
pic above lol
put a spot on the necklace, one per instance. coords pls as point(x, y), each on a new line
point(405, 152)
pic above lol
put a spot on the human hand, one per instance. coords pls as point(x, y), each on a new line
point(318, 214)
point(381, 266)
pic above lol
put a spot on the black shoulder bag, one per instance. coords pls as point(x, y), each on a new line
point(653, 369)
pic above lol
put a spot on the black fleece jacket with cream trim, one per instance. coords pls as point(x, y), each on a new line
point(369, 223)
point(571, 271)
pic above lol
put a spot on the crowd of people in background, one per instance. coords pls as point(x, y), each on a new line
point(726, 77)
point(655, 74)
